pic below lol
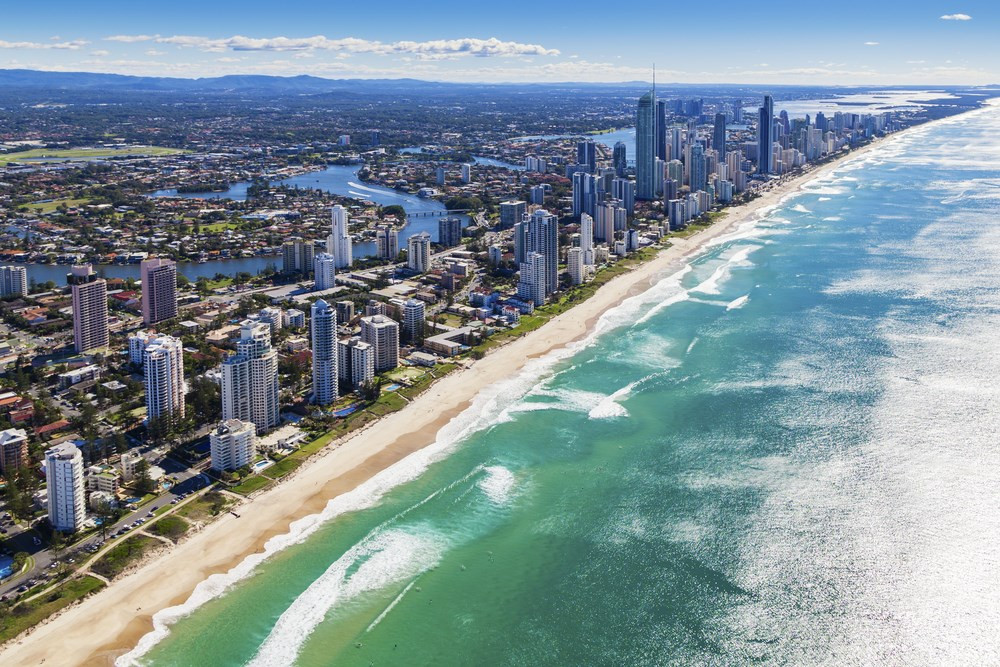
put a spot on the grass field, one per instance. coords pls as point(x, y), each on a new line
point(37, 154)
point(15, 621)
point(124, 554)
point(251, 484)
point(49, 206)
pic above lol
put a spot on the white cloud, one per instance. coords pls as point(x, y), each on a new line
point(73, 45)
point(434, 49)
point(100, 53)
point(154, 52)
point(956, 17)
point(871, 43)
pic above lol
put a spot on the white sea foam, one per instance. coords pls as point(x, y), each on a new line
point(823, 199)
point(832, 218)
point(498, 484)
point(738, 303)
point(801, 209)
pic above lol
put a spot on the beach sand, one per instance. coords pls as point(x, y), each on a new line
point(111, 622)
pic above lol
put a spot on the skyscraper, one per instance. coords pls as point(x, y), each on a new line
point(159, 289)
point(339, 242)
point(584, 193)
point(661, 130)
point(382, 333)
point(413, 321)
point(587, 239)
point(698, 173)
point(163, 370)
point(355, 361)
point(233, 444)
point(418, 252)
point(250, 378)
point(586, 154)
point(765, 138)
point(64, 479)
point(450, 232)
point(90, 308)
point(297, 256)
point(540, 233)
point(13, 451)
point(13, 281)
point(532, 283)
point(645, 147)
point(511, 213)
point(719, 136)
point(619, 158)
point(387, 242)
point(323, 326)
point(574, 265)
point(325, 270)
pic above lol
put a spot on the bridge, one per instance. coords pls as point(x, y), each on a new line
point(431, 214)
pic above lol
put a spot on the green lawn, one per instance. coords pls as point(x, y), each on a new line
point(18, 619)
point(123, 555)
point(283, 467)
point(49, 206)
point(171, 527)
point(251, 484)
point(86, 153)
point(205, 507)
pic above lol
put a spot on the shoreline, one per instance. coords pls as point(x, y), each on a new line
point(125, 608)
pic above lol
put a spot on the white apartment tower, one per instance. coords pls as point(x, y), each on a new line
point(382, 333)
point(587, 239)
point(250, 378)
point(90, 308)
point(355, 361)
point(339, 242)
point(575, 266)
point(418, 252)
point(159, 289)
point(413, 321)
point(64, 478)
point(163, 368)
point(325, 268)
point(323, 325)
point(233, 444)
point(13, 281)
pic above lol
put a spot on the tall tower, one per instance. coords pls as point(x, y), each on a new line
point(645, 147)
point(325, 272)
point(159, 289)
point(765, 140)
point(339, 242)
point(418, 252)
point(64, 478)
point(13, 281)
point(90, 308)
point(323, 325)
point(719, 136)
point(163, 366)
point(382, 333)
point(250, 378)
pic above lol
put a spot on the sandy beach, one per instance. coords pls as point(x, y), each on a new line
point(110, 623)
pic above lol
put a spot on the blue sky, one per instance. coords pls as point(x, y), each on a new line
point(892, 42)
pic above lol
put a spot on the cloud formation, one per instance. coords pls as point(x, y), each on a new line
point(430, 50)
point(73, 45)
point(956, 17)
point(871, 43)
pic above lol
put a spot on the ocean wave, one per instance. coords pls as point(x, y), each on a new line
point(738, 303)
point(498, 484)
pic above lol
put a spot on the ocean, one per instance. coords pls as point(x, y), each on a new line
point(787, 452)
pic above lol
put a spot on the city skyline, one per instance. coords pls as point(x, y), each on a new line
point(497, 44)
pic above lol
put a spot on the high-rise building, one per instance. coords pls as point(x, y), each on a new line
point(413, 321)
point(645, 148)
point(719, 136)
point(532, 283)
point(623, 190)
point(511, 212)
point(418, 252)
point(159, 289)
point(137, 343)
point(345, 311)
point(584, 193)
point(375, 138)
point(540, 233)
point(382, 333)
point(232, 444)
point(338, 243)
point(325, 269)
point(90, 308)
point(294, 318)
point(440, 176)
point(250, 378)
point(13, 451)
point(698, 172)
point(619, 158)
point(163, 370)
point(466, 173)
point(323, 325)
point(661, 130)
point(537, 195)
point(355, 361)
point(574, 265)
point(274, 317)
point(587, 239)
point(64, 479)
point(450, 232)
point(13, 281)
point(765, 138)
point(586, 154)
point(297, 256)
point(387, 242)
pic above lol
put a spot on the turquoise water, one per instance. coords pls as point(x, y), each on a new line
point(785, 453)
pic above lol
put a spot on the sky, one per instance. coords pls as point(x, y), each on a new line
point(723, 41)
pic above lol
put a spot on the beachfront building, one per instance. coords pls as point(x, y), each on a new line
point(64, 481)
point(339, 242)
point(574, 264)
point(418, 252)
point(90, 308)
point(297, 256)
point(382, 333)
point(163, 370)
point(413, 321)
point(765, 136)
point(355, 362)
point(232, 445)
point(13, 281)
point(325, 267)
point(531, 285)
point(587, 239)
point(13, 450)
point(645, 148)
point(250, 378)
point(539, 233)
point(323, 325)
point(159, 289)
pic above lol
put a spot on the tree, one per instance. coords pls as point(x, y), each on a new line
point(370, 391)
point(143, 482)
point(108, 514)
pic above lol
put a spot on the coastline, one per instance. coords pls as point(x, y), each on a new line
point(125, 608)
